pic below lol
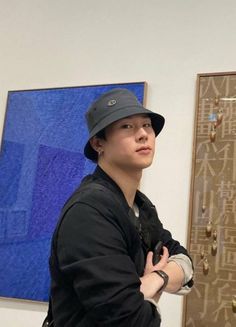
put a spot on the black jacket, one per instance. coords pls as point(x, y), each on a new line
point(98, 254)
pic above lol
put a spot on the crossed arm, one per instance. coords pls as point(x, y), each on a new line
point(92, 250)
point(151, 282)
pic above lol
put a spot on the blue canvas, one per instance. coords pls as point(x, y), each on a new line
point(41, 164)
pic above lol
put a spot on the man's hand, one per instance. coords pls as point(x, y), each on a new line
point(150, 283)
point(149, 267)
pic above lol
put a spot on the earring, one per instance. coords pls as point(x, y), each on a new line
point(100, 151)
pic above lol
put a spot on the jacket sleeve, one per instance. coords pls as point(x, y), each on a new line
point(178, 254)
point(92, 253)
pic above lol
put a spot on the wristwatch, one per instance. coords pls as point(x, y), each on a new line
point(164, 276)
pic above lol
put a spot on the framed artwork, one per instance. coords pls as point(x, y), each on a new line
point(212, 228)
point(41, 164)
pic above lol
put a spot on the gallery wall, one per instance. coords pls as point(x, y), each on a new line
point(59, 43)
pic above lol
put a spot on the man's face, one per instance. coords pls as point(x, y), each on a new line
point(130, 143)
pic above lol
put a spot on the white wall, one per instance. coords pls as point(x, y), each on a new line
point(83, 42)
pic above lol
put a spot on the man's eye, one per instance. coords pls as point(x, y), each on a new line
point(127, 126)
point(147, 125)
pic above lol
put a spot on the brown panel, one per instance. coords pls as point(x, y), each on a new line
point(212, 232)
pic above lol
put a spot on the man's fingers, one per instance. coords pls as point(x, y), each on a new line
point(149, 265)
point(164, 259)
point(165, 253)
point(149, 257)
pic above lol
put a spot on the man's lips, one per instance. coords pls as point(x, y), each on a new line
point(144, 148)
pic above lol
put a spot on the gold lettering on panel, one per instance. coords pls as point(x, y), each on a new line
point(212, 239)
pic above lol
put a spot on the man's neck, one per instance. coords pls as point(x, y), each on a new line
point(127, 180)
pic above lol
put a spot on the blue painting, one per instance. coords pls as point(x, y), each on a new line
point(41, 164)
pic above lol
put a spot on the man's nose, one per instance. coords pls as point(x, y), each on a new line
point(142, 134)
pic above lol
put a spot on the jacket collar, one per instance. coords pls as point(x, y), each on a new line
point(101, 174)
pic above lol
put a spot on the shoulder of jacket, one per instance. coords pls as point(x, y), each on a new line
point(94, 193)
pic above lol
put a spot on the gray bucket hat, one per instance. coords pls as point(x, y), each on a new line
point(112, 106)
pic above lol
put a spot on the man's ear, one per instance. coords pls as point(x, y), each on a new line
point(96, 144)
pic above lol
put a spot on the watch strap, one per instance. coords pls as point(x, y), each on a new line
point(165, 278)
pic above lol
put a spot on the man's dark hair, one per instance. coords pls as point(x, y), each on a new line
point(101, 134)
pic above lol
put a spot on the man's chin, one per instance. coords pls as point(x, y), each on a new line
point(137, 165)
point(144, 164)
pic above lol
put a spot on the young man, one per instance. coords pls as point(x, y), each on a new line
point(102, 252)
